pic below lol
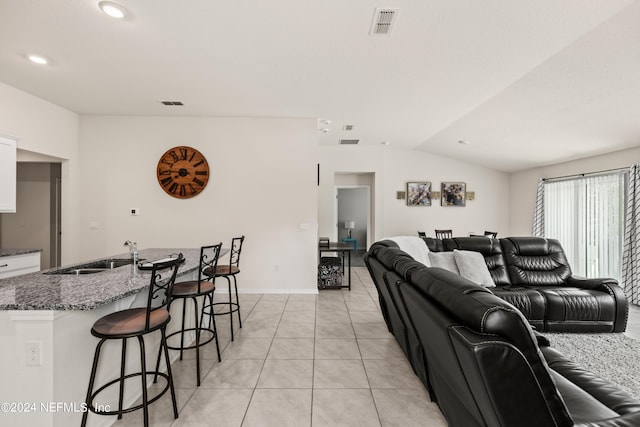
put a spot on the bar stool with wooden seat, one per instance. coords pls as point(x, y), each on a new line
point(227, 271)
point(193, 289)
point(135, 323)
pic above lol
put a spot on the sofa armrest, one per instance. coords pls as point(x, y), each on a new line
point(587, 283)
point(611, 287)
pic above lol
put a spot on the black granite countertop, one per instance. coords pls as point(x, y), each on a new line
point(45, 291)
point(16, 251)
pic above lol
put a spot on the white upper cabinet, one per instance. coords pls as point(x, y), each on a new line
point(8, 149)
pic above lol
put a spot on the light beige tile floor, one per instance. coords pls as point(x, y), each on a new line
point(300, 360)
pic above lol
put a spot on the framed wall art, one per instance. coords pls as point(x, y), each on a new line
point(418, 194)
point(453, 194)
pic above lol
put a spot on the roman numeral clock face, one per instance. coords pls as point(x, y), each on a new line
point(183, 172)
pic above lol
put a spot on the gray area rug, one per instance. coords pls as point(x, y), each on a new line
point(614, 357)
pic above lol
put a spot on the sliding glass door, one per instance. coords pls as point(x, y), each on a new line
point(587, 215)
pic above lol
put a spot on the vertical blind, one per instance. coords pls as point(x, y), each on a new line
point(587, 215)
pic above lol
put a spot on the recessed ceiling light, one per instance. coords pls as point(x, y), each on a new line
point(38, 59)
point(325, 130)
point(114, 10)
point(385, 143)
point(463, 142)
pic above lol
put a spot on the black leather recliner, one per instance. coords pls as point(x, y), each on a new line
point(572, 304)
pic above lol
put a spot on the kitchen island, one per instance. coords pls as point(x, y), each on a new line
point(47, 346)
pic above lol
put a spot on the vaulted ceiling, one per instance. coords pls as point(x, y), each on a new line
point(525, 83)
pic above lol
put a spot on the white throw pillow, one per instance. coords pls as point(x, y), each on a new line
point(444, 260)
point(472, 266)
point(414, 246)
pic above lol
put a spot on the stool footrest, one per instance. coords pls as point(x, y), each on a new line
point(208, 340)
point(91, 407)
point(227, 304)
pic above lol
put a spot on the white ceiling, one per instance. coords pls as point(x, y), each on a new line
point(526, 82)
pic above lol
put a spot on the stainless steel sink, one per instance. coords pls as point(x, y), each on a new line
point(93, 267)
point(79, 271)
point(108, 264)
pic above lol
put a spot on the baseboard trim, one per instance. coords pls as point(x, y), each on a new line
point(278, 291)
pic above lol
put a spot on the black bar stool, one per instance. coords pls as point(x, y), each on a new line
point(227, 271)
point(137, 322)
point(193, 289)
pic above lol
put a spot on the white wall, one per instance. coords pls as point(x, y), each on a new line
point(40, 126)
point(46, 129)
point(524, 184)
point(262, 185)
point(393, 168)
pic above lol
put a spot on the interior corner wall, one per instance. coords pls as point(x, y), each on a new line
point(262, 185)
point(393, 168)
point(524, 184)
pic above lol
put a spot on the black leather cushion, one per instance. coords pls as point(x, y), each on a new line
point(489, 248)
point(405, 335)
point(376, 270)
point(535, 261)
point(578, 310)
point(530, 302)
point(390, 256)
point(434, 245)
point(602, 390)
point(581, 405)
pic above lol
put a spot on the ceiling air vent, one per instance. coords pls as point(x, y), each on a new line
point(179, 103)
point(384, 19)
point(349, 141)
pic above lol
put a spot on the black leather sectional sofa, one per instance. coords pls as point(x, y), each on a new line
point(480, 358)
point(533, 274)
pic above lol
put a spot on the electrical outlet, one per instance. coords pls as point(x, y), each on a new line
point(33, 352)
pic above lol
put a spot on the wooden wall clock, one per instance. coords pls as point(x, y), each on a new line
point(183, 172)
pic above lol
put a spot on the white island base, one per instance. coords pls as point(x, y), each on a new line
point(51, 391)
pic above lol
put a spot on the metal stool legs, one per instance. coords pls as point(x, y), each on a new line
point(198, 328)
point(234, 306)
point(91, 395)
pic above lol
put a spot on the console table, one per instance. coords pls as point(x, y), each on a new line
point(341, 248)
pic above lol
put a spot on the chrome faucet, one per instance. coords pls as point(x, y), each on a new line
point(133, 251)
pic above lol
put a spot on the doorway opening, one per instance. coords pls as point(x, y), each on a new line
point(353, 209)
point(38, 217)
